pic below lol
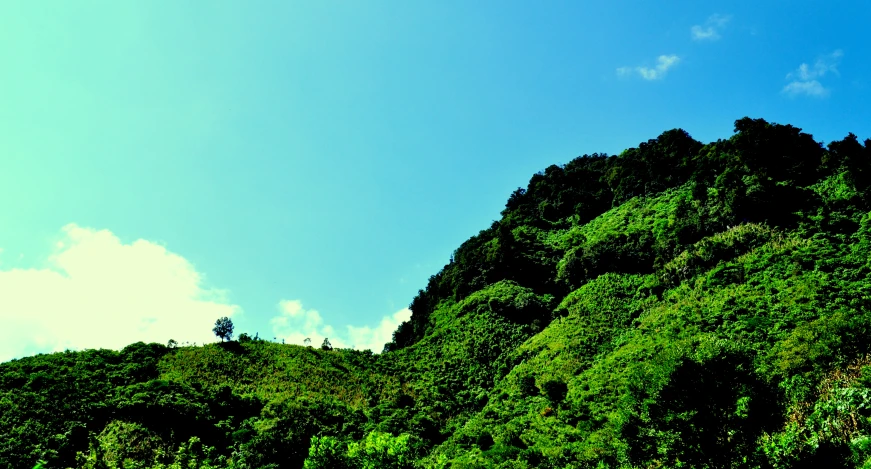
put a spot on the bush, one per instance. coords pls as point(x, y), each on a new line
point(555, 390)
point(526, 386)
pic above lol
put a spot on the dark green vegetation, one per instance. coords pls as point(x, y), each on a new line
point(678, 305)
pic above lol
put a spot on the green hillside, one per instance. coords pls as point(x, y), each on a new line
point(678, 305)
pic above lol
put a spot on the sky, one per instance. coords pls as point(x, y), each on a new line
point(304, 167)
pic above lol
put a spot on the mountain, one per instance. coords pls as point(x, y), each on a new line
point(678, 305)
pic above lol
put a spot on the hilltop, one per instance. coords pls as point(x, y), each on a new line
point(677, 305)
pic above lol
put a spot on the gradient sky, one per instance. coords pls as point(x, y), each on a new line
point(304, 167)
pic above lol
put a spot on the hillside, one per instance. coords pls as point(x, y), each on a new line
point(678, 305)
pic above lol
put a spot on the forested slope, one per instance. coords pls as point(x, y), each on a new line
point(678, 305)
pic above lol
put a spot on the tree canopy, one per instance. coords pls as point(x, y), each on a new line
point(224, 328)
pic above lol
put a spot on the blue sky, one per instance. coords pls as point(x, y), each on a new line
point(304, 167)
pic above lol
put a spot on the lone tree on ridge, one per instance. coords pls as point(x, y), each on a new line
point(223, 328)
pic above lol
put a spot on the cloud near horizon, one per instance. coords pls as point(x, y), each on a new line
point(710, 30)
point(97, 292)
point(806, 78)
point(663, 64)
point(294, 324)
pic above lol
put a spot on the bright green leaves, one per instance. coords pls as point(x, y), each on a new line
point(829, 424)
point(377, 451)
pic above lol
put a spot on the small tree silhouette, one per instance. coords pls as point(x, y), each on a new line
point(307, 341)
point(223, 328)
point(326, 345)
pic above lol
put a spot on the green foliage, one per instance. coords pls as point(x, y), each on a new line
point(678, 305)
point(377, 451)
point(708, 252)
point(555, 390)
point(708, 411)
point(328, 453)
point(122, 442)
point(526, 385)
point(382, 450)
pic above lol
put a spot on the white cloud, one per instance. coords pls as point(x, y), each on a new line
point(710, 31)
point(294, 324)
point(374, 338)
point(823, 65)
point(809, 88)
point(663, 63)
point(805, 79)
point(97, 292)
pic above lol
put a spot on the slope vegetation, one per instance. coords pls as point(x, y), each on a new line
point(678, 305)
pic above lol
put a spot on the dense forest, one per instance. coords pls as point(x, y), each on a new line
point(678, 305)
